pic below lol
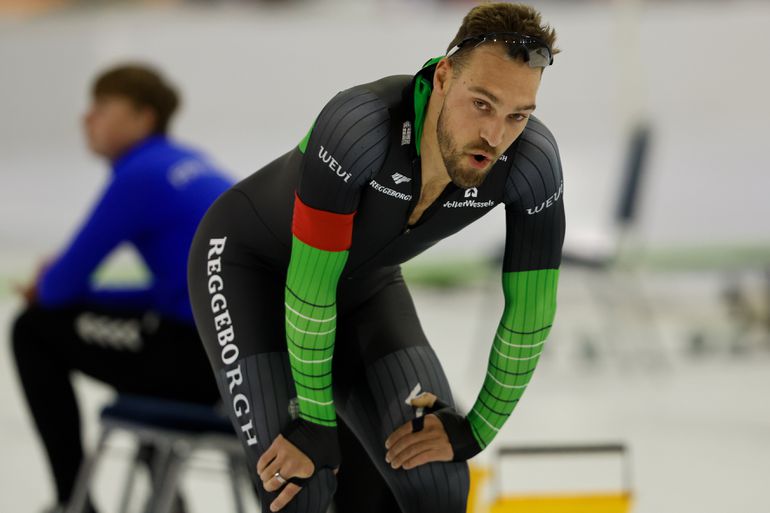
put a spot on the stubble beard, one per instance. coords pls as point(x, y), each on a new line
point(461, 176)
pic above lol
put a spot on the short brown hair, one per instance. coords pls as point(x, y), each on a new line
point(502, 17)
point(144, 86)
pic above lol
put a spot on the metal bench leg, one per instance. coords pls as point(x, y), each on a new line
point(128, 488)
point(158, 466)
point(235, 465)
point(165, 490)
point(160, 461)
point(77, 503)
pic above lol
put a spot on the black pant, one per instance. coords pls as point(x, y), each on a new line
point(381, 354)
point(136, 353)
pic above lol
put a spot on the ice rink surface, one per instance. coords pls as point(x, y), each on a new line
point(698, 429)
point(254, 79)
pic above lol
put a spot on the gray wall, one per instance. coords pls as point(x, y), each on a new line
point(254, 79)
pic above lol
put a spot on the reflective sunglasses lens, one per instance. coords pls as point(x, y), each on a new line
point(539, 57)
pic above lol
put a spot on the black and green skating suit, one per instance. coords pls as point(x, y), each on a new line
point(314, 241)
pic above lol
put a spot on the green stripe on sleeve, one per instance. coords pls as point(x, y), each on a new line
point(305, 140)
point(422, 90)
point(530, 307)
point(311, 322)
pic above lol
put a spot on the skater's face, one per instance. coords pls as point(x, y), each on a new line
point(486, 105)
point(114, 123)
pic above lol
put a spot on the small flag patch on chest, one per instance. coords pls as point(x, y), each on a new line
point(406, 133)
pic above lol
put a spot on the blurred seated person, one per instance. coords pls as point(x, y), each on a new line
point(139, 340)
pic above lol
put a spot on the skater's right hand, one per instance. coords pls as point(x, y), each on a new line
point(301, 450)
point(283, 458)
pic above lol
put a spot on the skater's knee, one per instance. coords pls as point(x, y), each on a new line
point(443, 490)
point(314, 497)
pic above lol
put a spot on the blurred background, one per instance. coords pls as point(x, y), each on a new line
point(661, 111)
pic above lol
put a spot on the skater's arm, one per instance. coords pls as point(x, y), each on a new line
point(346, 145)
point(535, 227)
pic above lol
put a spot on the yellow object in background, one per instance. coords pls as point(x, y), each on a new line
point(594, 503)
point(618, 501)
point(479, 476)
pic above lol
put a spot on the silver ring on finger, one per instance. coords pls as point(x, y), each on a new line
point(280, 478)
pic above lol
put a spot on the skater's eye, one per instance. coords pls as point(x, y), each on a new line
point(481, 105)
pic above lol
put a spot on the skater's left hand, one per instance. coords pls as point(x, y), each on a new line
point(408, 449)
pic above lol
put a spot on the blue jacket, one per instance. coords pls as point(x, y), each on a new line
point(157, 194)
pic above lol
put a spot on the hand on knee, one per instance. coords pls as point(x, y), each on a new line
point(283, 465)
point(408, 448)
point(438, 433)
point(282, 461)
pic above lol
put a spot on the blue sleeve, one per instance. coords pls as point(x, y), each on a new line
point(117, 217)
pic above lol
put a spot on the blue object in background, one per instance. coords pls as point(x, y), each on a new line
point(158, 193)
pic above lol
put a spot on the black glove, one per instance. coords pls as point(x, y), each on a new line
point(319, 443)
point(457, 427)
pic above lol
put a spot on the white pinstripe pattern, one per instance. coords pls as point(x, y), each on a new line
point(523, 346)
point(317, 334)
point(310, 361)
point(321, 403)
point(310, 318)
point(479, 415)
point(503, 384)
point(514, 358)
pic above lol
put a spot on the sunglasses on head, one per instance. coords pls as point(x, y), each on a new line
point(532, 49)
